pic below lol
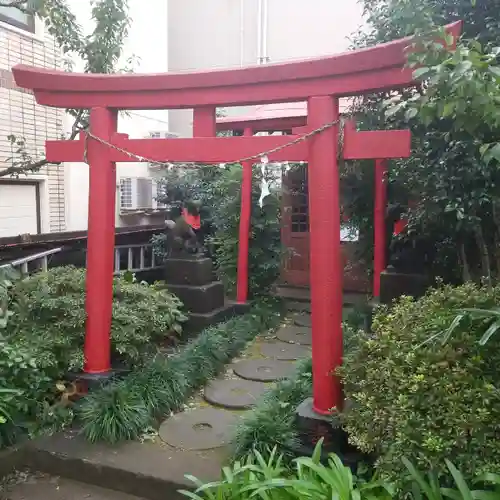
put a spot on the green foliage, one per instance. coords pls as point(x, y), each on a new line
point(100, 50)
point(453, 116)
point(50, 317)
point(267, 478)
point(219, 191)
point(270, 423)
point(43, 339)
point(426, 401)
point(127, 408)
point(265, 248)
point(7, 276)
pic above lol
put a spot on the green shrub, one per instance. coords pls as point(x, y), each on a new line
point(426, 401)
point(265, 249)
point(43, 339)
point(49, 316)
point(126, 409)
point(219, 190)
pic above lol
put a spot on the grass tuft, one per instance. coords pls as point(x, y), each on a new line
point(271, 422)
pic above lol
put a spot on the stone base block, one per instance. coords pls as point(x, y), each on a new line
point(394, 284)
point(200, 299)
point(311, 427)
point(194, 271)
point(198, 322)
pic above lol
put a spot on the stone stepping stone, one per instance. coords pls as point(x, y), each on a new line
point(235, 394)
point(302, 320)
point(201, 429)
point(295, 335)
point(284, 351)
point(263, 370)
point(299, 306)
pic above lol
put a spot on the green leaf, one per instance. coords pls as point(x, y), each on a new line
point(493, 328)
point(420, 72)
point(459, 481)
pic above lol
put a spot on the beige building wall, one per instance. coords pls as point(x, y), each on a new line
point(22, 117)
point(207, 34)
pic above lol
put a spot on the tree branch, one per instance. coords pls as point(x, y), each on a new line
point(17, 4)
point(15, 170)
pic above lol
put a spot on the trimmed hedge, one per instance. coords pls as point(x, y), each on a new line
point(126, 408)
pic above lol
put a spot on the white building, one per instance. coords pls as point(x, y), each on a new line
point(33, 203)
point(207, 34)
point(136, 189)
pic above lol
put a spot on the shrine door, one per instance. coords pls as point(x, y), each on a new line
point(295, 237)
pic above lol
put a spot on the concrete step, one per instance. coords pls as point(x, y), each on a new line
point(302, 295)
point(150, 469)
point(44, 487)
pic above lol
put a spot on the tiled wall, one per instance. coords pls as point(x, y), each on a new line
point(21, 116)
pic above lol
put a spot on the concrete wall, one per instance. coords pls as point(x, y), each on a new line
point(22, 117)
point(147, 42)
point(224, 33)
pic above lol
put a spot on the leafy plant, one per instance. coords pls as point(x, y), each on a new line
point(269, 479)
point(161, 385)
point(219, 191)
point(7, 276)
point(270, 423)
point(488, 321)
point(453, 116)
point(50, 317)
point(426, 401)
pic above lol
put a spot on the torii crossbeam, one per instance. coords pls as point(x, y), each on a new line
point(320, 82)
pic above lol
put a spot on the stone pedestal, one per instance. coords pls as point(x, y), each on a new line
point(191, 278)
point(311, 427)
point(393, 284)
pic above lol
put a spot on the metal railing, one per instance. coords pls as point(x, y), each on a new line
point(135, 258)
point(42, 258)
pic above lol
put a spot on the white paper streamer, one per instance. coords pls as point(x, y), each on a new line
point(264, 186)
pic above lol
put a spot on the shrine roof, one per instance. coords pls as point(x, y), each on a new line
point(273, 116)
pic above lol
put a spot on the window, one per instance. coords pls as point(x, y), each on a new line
point(126, 193)
point(17, 18)
point(300, 201)
point(162, 134)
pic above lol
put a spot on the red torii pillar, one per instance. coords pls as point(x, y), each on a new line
point(205, 125)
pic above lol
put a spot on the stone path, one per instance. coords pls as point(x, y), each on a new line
point(267, 360)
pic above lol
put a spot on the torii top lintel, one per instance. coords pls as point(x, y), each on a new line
point(350, 73)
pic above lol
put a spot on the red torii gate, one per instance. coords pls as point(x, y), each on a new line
point(319, 81)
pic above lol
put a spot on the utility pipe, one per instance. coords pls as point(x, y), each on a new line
point(259, 32)
point(242, 32)
point(265, 23)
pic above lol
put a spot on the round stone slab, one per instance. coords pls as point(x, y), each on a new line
point(284, 351)
point(263, 370)
point(295, 335)
point(234, 394)
point(199, 429)
point(302, 320)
